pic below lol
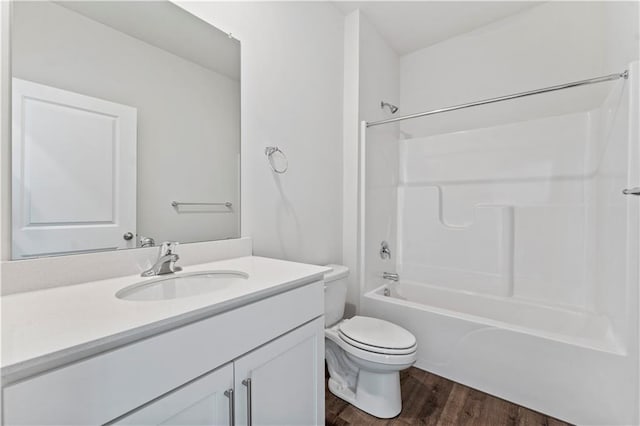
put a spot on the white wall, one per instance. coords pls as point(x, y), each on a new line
point(292, 74)
point(621, 23)
point(553, 43)
point(188, 115)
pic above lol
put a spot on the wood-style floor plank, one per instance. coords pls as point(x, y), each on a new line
point(454, 405)
point(432, 400)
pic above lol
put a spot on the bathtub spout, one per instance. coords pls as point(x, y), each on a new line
point(390, 276)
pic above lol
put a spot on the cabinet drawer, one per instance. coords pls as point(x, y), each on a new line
point(101, 388)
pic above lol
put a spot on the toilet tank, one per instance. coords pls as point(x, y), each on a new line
point(335, 293)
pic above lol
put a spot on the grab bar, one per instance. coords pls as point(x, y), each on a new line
point(180, 203)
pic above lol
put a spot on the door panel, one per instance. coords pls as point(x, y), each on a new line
point(74, 171)
point(201, 402)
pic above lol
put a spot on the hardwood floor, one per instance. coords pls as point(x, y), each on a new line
point(428, 399)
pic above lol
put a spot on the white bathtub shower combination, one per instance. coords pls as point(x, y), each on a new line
point(518, 257)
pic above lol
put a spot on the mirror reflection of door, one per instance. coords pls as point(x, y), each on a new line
point(181, 75)
point(74, 172)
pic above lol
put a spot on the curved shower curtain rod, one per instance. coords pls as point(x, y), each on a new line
point(624, 74)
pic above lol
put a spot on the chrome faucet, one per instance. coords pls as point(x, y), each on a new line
point(390, 276)
point(385, 251)
point(166, 263)
point(147, 241)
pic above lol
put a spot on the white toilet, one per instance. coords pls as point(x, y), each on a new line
point(364, 355)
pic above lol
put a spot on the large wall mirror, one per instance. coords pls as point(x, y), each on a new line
point(125, 127)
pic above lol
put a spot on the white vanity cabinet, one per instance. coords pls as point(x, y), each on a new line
point(276, 384)
point(180, 376)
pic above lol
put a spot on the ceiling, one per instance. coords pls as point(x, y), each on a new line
point(411, 25)
point(168, 27)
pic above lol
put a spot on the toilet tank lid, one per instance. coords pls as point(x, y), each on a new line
point(337, 272)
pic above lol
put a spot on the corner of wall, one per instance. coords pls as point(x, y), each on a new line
point(350, 167)
point(5, 154)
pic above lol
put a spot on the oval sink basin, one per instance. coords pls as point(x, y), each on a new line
point(183, 285)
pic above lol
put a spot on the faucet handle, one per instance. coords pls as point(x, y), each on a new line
point(168, 247)
point(385, 251)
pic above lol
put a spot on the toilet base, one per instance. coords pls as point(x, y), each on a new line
point(376, 393)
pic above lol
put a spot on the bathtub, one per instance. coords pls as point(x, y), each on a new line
point(533, 354)
point(556, 323)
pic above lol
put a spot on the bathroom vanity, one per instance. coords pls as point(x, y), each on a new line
point(248, 353)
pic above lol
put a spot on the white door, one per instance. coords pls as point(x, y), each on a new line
point(74, 172)
point(205, 401)
point(286, 380)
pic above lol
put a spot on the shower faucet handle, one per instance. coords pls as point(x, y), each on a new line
point(385, 252)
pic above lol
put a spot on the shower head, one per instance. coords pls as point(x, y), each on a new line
point(391, 107)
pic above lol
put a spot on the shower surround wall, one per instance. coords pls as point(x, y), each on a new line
point(517, 252)
point(500, 210)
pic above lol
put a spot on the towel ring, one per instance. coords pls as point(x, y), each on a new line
point(269, 151)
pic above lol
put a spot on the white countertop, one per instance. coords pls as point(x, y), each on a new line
point(48, 328)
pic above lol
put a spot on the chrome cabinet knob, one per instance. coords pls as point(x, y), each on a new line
point(128, 236)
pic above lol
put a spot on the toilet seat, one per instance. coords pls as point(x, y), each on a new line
point(376, 335)
point(333, 333)
point(376, 349)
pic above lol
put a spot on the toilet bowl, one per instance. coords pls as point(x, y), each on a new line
point(364, 355)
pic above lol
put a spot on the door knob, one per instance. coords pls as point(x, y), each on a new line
point(128, 236)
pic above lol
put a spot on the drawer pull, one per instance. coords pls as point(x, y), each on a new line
point(247, 383)
point(232, 408)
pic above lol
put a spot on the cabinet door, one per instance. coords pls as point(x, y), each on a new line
point(200, 402)
point(283, 380)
